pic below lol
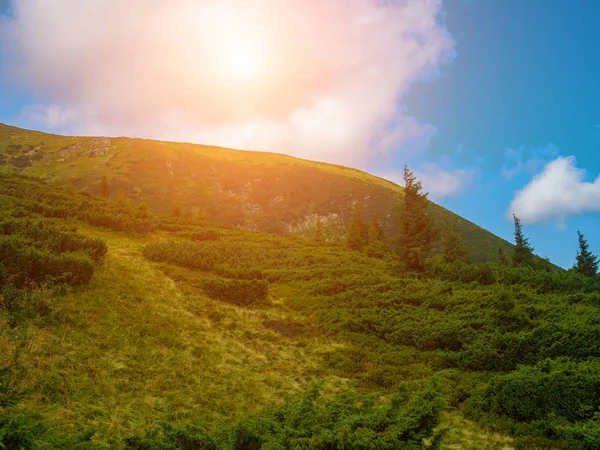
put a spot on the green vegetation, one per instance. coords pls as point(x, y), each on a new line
point(453, 249)
point(347, 419)
point(123, 328)
point(259, 191)
point(523, 250)
point(586, 262)
point(418, 231)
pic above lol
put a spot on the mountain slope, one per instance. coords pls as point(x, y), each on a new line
point(206, 329)
point(262, 191)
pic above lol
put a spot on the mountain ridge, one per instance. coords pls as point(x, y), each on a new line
point(258, 190)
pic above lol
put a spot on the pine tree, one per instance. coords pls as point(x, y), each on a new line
point(357, 234)
point(376, 233)
point(417, 228)
point(453, 248)
point(104, 188)
point(523, 250)
point(586, 262)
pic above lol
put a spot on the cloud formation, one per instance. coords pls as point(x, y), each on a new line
point(321, 79)
point(558, 192)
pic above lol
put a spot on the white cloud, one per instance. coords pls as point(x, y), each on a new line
point(321, 79)
point(439, 182)
point(558, 192)
point(526, 159)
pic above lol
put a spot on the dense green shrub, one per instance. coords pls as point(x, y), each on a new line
point(317, 420)
point(25, 195)
point(21, 264)
point(237, 292)
point(169, 437)
point(553, 404)
point(552, 388)
point(544, 279)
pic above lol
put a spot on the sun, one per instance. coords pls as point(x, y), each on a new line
point(243, 57)
point(244, 62)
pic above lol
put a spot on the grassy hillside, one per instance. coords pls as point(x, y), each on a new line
point(261, 191)
point(183, 334)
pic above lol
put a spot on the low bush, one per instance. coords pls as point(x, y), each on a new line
point(237, 292)
point(320, 421)
point(551, 388)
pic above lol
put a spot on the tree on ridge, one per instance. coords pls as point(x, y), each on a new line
point(417, 227)
point(586, 263)
point(523, 249)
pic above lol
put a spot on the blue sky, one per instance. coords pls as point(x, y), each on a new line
point(492, 99)
point(525, 77)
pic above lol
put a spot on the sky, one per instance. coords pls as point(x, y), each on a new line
point(493, 104)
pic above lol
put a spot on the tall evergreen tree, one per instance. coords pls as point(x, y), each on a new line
point(376, 232)
point(104, 188)
point(523, 249)
point(357, 233)
point(586, 262)
point(453, 248)
point(418, 232)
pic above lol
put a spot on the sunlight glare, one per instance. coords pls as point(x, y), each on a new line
point(244, 62)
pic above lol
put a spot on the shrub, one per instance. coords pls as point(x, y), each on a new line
point(167, 436)
point(551, 388)
point(237, 292)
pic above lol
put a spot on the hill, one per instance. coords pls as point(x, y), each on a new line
point(124, 329)
point(261, 191)
point(123, 326)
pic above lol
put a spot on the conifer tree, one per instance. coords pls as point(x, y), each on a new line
point(376, 233)
point(453, 248)
point(104, 188)
point(523, 249)
point(417, 227)
point(586, 262)
point(357, 234)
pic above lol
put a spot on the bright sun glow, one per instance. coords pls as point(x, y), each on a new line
point(244, 62)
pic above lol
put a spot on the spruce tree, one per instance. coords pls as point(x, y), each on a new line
point(523, 249)
point(417, 227)
point(104, 188)
point(586, 262)
point(453, 248)
point(357, 233)
point(376, 233)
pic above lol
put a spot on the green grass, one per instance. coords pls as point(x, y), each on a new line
point(132, 348)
